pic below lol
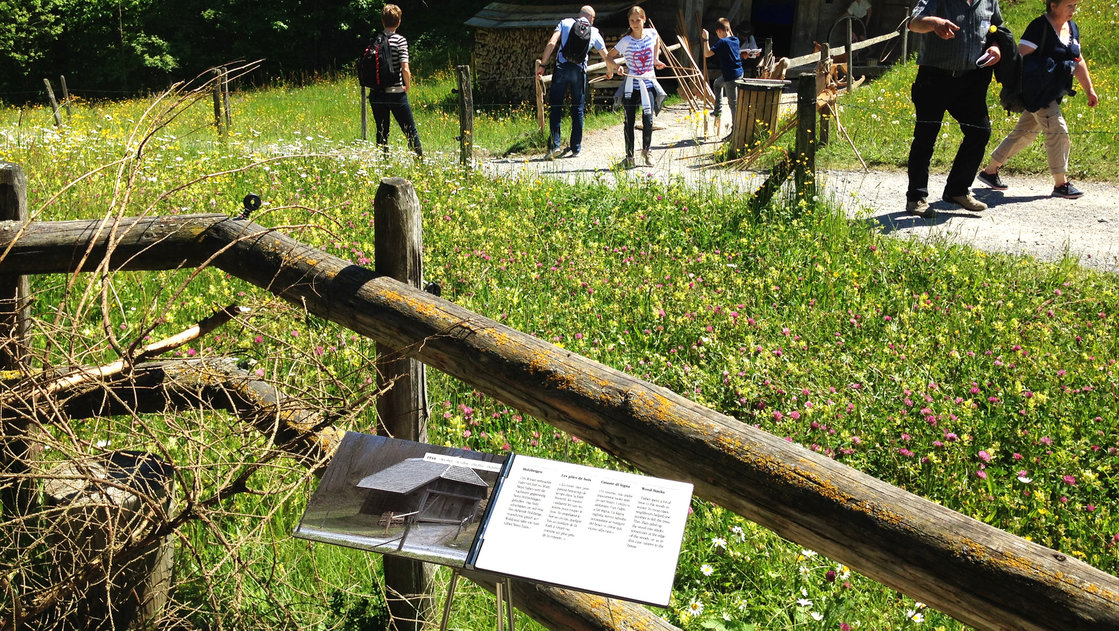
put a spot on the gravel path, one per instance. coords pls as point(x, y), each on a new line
point(1023, 219)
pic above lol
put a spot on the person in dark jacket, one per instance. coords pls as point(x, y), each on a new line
point(729, 55)
point(1051, 57)
point(953, 74)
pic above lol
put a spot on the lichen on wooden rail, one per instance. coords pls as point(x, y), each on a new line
point(970, 570)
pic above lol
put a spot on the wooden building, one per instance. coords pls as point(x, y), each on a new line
point(437, 492)
point(509, 36)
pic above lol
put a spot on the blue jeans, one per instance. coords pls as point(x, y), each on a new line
point(719, 86)
point(396, 104)
point(567, 76)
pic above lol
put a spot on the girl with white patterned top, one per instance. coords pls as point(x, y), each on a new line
point(639, 85)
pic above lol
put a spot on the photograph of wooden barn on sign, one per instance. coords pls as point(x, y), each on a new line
point(422, 490)
point(402, 498)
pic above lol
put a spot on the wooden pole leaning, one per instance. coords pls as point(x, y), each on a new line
point(65, 96)
point(54, 103)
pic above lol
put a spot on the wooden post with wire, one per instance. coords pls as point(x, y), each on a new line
point(54, 103)
point(465, 116)
point(847, 39)
point(16, 454)
point(225, 97)
point(805, 177)
point(364, 115)
point(65, 96)
point(217, 101)
point(402, 408)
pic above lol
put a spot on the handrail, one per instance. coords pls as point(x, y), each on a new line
point(970, 570)
point(812, 58)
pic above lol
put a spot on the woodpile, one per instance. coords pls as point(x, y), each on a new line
point(503, 61)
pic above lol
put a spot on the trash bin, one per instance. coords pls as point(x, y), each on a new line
point(758, 103)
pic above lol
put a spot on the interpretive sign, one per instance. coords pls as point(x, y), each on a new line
point(595, 530)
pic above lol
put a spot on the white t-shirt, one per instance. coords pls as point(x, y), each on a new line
point(859, 9)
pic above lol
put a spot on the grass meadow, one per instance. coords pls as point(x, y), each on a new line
point(984, 382)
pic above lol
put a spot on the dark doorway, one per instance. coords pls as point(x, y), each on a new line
point(774, 19)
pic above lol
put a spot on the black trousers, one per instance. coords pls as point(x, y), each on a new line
point(964, 97)
point(394, 104)
point(631, 105)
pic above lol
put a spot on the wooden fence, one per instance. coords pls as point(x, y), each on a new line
point(974, 572)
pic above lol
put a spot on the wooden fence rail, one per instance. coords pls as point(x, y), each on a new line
point(974, 572)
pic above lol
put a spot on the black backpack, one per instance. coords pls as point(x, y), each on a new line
point(578, 42)
point(374, 67)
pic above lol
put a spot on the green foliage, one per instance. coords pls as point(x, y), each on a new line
point(26, 31)
point(358, 613)
point(116, 47)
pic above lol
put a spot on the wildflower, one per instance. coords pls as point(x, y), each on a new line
point(719, 542)
point(984, 456)
point(817, 616)
point(1069, 480)
point(804, 602)
point(695, 607)
point(706, 569)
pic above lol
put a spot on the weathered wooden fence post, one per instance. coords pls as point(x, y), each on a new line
point(364, 115)
point(847, 41)
point(16, 454)
point(54, 103)
point(217, 101)
point(905, 36)
point(465, 116)
point(225, 97)
point(110, 506)
point(65, 96)
point(821, 83)
point(402, 409)
point(806, 137)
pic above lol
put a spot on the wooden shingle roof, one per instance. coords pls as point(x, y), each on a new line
point(501, 15)
point(409, 475)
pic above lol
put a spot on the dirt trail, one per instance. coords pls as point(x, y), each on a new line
point(1023, 219)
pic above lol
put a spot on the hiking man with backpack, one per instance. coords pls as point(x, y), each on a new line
point(575, 36)
point(385, 71)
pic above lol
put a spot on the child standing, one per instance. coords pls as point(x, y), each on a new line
point(728, 53)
